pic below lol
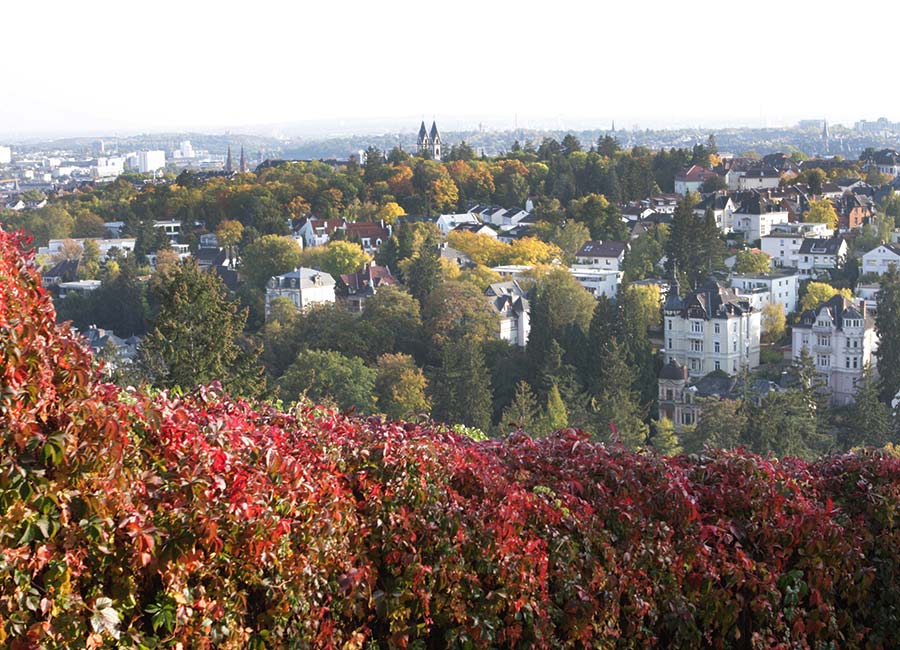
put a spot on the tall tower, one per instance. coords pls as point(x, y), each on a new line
point(229, 163)
point(423, 144)
point(825, 135)
point(243, 161)
point(435, 139)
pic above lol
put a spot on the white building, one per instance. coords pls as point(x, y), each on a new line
point(840, 337)
point(303, 287)
point(150, 161)
point(818, 256)
point(690, 179)
point(509, 300)
point(783, 248)
point(723, 209)
point(764, 288)
point(607, 255)
point(879, 259)
point(5, 155)
point(108, 167)
point(448, 222)
point(124, 246)
point(712, 328)
point(759, 178)
point(185, 150)
point(600, 282)
point(756, 225)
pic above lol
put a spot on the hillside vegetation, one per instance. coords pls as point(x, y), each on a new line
point(136, 520)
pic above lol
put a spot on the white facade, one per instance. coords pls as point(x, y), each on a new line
point(125, 246)
point(303, 287)
point(108, 167)
point(754, 182)
point(840, 337)
point(878, 260)
point(447, 222)
point(757, 226)
point(5, 155)
point(150, 161)
point(783, 248)
point(820, 258)
point(761, 289)
point(600, 282)
point(704, 334)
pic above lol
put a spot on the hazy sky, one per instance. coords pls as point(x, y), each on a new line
point(106, 67)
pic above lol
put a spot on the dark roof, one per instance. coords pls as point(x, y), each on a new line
point(716, 201)
point(367, 279)
point(886, 157)
point(839, 308)
point(228, 276)
point(507, 298)
point(709, 301)
point(674, 371)
point(601, 249)
point(820, 246)
point(434, 131)
point(66, 270)
point(423, 133)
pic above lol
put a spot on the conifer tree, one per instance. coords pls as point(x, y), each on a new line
point(664, 439)
point(462, 387)
point(870, 421)
point(615, 403)
point(523, 412)
point(556, 415)
point(887, 319)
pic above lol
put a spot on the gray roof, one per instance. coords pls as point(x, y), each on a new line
point(302, 278)
point(601, 249)
point(821, 246)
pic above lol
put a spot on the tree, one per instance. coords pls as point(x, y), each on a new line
point(694, 245)
point(616, 405)
point(818, 292)
point(229, 234)
point(392, 322)
point(422, 273)
point(268, 256)
point(774, 321)
point(602, 217)
point(523, 412)
point(642, 260)
point(721, 425)
point(327, 374)
point(196, 336)
point(556, 416)
point(713, 184)
point(870, 419)
point(752, 261)
point(567, 302)
point(821, 211)
point(400, 387)
point(887, 318)
point(664, 438)
point(389, 212)
point(457, 310)
point(343, 257)
point(462, 386)
point(69, 250)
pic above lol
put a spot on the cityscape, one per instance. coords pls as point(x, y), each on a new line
point(416, 327)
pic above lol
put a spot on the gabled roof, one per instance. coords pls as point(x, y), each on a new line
point(370, 229)
point(602, 249)
point(695, 174)
point(64, 270)
point(712, 300)
point(507, 298)
point(717, 201)
point(423, 133)
point(368, 279)
point(821, 246)
point(839, 309)
point(674, 371)
point(434, 135)
point(893, 248)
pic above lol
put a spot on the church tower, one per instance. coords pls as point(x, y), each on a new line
point(229, 163)
point(435, 139)
point(423, 144)
point(825, 136)
point(244, 168)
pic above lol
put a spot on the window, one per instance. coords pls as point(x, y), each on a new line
point(716, 328)
point(734, 346)
point(824, 341)
point(696, 346)
point(669, 394)
point(716, 347)
point(696, 327)
point(718, 367)
point(855, 363)
point(670, 344)
point(670, 324)
point(848, 362)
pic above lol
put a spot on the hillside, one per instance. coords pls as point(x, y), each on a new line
point(131, 519)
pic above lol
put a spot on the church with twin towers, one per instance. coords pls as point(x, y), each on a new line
point(429, 143)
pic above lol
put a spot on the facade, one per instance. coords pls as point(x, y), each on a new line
point(510, 302)
point(600, 282)
point(886, 161)
point(607, 255)
point(757, 224)
point(818, 256)
point(759, 177)
point(692, 178)
point(448, 222)
point(303, 287)
point(879, 259)
point(429, 143)
point(840, 337)
point(5, 155)
point(150, 161)
point(764, 288)
point(108, 167)
point(723, 209)
point(124, 246)
point(712, 328)
point(783, 248)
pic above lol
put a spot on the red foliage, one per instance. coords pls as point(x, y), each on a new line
point(131, 519)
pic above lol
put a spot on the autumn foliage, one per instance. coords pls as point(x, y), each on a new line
point(138, 520)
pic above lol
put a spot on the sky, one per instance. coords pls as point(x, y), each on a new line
point(99, 67)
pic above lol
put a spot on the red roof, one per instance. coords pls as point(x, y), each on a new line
point(695, 174)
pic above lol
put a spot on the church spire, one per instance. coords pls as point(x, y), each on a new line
point(243, 161)
point(229, 163)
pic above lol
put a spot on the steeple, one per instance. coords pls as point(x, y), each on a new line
point(423, 135)
point(434, 135)
point(243, 161)
point(825, 134)
point(229, 163)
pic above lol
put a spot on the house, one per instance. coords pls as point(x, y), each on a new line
point(878, 260)
point(682, 402)
point(362, 285)
point(663, 203)
point(853, 210)
point(599, 281)
point(886, 161)
point(821, 255)
point(760, 289)
point(723, 209)
point(303, 287)
point(448, 222)
point(499, 217)
point(690, 179)
point(62, 271)
point(459, 258)
point(756, 217)
point(712, 328)
point(840, 336)
point(510, 302)
point(122, 246)
point(81, 287)
point(607, 255)
point(759, 177)
point(369, 234)
point(783, 242)
point(116, 351)
point(317, 232)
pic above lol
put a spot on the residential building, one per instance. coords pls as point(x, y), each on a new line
point(5, 155)
point(358, 287)
point(840, 337)
point(760, 289)
point(303, 287)
point(712, 328)
point(123, 246)
point(600, 282)
point(723, 209)
point(477, 229)
point(108, 167)
point(682, 401)
point(368, 234)
point(64, 289)
point(817, 256)
point(756, 217)
point(690, 179)
point(886, 161)
point(150, 161)
point(316, 232)
point(510, 302)
point(448, 222)
point(607, 255)
point(853, 210)
point(879, 259)
point(759, 177)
